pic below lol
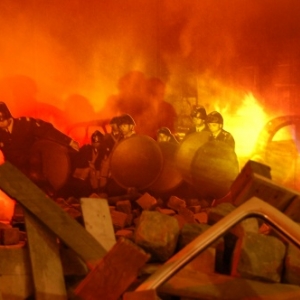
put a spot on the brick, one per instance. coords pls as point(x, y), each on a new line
point(180, 220)
point(107, 282)
point(201, 217)
point(175, 203)
point(166, 211)
point(195, 209)
point(187, 214)
point(146, 202)
point(119, 219)
point(124, 206)
point(129, 220)
point(157, 234)
point(124, 233)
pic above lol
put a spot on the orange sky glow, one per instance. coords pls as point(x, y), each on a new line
point(62, 60)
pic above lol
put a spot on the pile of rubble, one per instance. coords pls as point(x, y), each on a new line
point(250, 250)
point(250, 260)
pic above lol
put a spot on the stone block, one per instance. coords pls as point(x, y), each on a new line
point(203, 262)
point(157, 234)
point(218, 212)
point(260, 257)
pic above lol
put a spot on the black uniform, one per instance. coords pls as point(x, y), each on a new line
point(193, 129)
point(224, 136)
point(87, 171)
point(16, 145)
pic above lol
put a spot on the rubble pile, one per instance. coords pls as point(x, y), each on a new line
point(250, 250)
point(250, 259)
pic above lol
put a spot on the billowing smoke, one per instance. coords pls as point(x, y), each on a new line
point(70, 55)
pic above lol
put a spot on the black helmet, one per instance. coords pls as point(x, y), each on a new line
point(214, 117)
point(97, 137)
point(126, 119)
point(4, 112)
point(114, 120)
point(164, 130)
point(199, 112)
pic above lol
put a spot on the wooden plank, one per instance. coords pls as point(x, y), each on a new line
point(115, 272)
point(19, 187)
point(47, 271)
point(198, 285)
point(97, 221)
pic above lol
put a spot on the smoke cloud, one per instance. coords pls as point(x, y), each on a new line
point(83, 48)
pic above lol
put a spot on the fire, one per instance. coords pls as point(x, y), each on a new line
point(245, 124)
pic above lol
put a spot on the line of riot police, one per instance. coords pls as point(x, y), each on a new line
point(121, 160)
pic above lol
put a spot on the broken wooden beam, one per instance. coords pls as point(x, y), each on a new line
point(19, 187)
point(46, 267)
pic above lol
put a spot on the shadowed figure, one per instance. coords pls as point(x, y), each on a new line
point(143, 99)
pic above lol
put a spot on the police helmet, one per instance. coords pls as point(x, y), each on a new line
point(164, 130)
point(114, 120)
point(199, 112)
point(214, 117)
point(4, 112)
point(126, 119)
point(97, 137)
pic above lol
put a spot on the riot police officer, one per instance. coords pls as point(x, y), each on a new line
point(215, 124)
point(164, 134)
point(126, 125)
point(18, 135)
point(198, 116)
point(87, 166)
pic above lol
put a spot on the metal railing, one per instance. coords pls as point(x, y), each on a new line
point(254, 207)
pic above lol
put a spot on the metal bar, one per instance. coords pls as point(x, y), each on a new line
point(251, 208)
